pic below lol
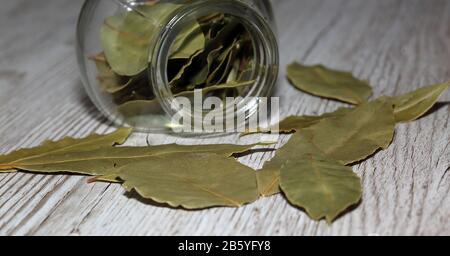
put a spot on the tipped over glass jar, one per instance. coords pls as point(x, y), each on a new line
point(137, 58)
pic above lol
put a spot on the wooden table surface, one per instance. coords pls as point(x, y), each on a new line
point(397, 45)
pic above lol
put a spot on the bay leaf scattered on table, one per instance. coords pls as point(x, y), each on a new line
point(324, 187)
point(190, 176)
point(192, 180)
point(321, 81)
point(346, 136)
point(321, 186)
point(354, 136)
point(21, 157)
point(412, 106)
point(96, 156)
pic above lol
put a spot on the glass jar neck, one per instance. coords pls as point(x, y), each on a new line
point(264, 43)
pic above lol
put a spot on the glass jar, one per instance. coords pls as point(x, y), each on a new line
point(137, 58)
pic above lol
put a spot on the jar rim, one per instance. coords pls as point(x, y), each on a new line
point(265, 49)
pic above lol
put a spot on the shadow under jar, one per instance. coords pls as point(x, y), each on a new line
point(137, 58)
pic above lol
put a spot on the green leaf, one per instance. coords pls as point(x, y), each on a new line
point(190, 176)
point(189, 41)
point(108, 80)
point(323, 187)
point(126, 38)
point(358, 134)
point(201, 76)
point(153, 107)
point(95, 156)
point(321, 81)
point(216, 50)
point(192, 180)
point(268, 179)
point(225, 60)
point(413, 105)
point(346, 136)
point(62, 148)
point(178, 79)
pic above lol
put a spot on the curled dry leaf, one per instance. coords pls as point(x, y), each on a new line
point(142, 108)
point(321, 81)
point(126, 38)
point(192, 180)
point(323, 187)
point(95, 155)
point(347, 136)
point(357, 135)
point(412, 106)
point(49, 149)
point(107, 79)
point(189, 41)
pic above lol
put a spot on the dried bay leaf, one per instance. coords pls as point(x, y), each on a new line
point(321, 81)
point(232, 85)
point(202, 75)
point(321, 186)
point(192, 180)
point(355, 136)
point(95, 155)
point(348, 136)
point(153, 107)
point(108, 80)
point(178, 79)
point(19, 158)
point(140, 108)
point(225, 62)
point(126, 38)
point(138, 89)
point(268, 179)
point(189, 41)
point(413, 105)
point(190, 176)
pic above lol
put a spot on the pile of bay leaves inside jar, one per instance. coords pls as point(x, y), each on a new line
point(214, 54)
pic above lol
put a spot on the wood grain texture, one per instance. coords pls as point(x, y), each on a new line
point(397, 45)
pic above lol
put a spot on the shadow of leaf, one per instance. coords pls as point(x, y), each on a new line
point(438, 106)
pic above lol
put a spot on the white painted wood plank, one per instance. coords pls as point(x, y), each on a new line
point(397, 45)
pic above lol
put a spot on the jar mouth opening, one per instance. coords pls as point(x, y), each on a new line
point(263, 50)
